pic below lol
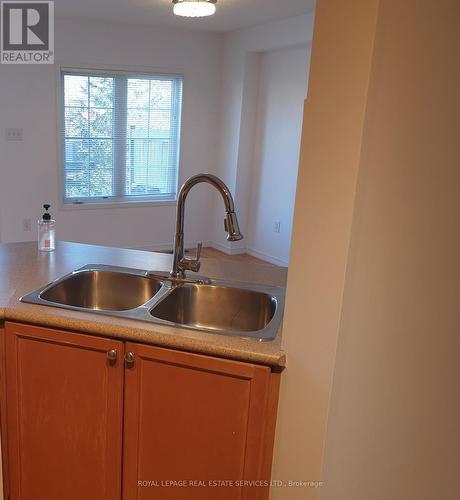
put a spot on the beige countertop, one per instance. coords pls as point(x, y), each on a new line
point(23, 269)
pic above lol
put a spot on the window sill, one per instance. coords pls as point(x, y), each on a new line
point(120, 204)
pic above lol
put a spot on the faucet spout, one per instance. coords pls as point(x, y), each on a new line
point(180, 262)
point(232, 227)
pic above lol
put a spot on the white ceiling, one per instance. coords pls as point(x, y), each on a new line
point(231, 14)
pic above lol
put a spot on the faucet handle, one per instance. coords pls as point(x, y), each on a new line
point(199, 247)
point(188, 264)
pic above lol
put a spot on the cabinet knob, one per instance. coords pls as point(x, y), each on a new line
point(112, 355)
point(129, 359)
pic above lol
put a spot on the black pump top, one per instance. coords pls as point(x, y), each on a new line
point(46, 215)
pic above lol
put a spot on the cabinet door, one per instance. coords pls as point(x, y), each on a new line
point(192, 421)
point(5, 492)
point(64, 407)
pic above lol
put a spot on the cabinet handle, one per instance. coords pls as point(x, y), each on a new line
point(129, 359)
point(112, 355)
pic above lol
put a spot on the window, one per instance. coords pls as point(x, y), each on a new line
point(120, 137)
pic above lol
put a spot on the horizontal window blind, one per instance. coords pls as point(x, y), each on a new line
point(120, 136)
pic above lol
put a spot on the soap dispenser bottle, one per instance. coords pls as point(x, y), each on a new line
point(46, 231)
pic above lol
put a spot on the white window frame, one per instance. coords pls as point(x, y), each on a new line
point(112, 202)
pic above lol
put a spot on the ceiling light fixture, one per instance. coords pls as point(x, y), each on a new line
point(194, 8)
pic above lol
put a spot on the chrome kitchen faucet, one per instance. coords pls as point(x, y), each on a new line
point(180, 262)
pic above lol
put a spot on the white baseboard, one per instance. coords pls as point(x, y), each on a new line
point(250, 251)
point(158, 247)
point(152, 248)
point(266, 257)
point(226, 248)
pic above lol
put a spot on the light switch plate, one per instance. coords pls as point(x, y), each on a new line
point(13, 134)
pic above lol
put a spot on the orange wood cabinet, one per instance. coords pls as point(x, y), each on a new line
point(195, 427)
point(64, 415)
point(164, 424)
point(5, 490)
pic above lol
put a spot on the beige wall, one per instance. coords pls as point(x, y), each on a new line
point(374, 283)
point(276, 146)
point(395, 409)
point(333, 124)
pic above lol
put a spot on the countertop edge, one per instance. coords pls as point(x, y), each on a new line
point(93, 327)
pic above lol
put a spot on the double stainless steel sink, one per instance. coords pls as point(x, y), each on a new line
point(213, 306)
point(223, 307)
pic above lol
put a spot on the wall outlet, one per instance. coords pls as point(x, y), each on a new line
point(13, 134)
point(27, 225)
point(277, 226)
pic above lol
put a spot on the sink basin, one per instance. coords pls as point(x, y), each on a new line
point(102, 290)
point(214, 307)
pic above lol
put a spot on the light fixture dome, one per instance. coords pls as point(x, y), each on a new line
point(194, 8)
